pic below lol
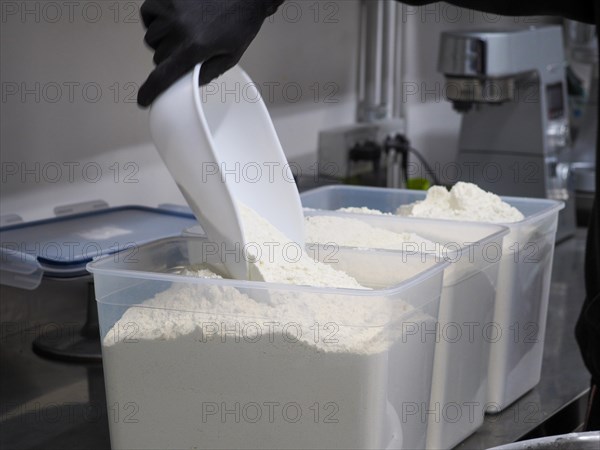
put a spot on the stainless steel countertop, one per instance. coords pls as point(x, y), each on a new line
point(55, 405)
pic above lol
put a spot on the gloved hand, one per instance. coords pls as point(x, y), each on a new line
point(186, 32)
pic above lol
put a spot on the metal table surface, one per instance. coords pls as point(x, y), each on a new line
point(48, 404)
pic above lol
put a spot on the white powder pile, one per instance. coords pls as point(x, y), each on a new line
point(275, 266)
point(208, 365)
point(282, 261)
point(198, 271)
point(350, 232)
point(167, 315)
point(465, 201)
point(363, 210)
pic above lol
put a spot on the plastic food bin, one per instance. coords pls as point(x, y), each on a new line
point(460, 370)
point(194, 373)
point(523, 282)
point(48, 258)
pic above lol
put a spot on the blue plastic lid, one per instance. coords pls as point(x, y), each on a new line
point(62, 246)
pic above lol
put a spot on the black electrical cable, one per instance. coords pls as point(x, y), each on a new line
point(401, 144)
point(426, 164)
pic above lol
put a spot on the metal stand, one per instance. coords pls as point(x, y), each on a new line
point(70, 344)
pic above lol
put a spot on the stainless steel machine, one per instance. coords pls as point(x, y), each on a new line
point(582, 47)
point(510, 87)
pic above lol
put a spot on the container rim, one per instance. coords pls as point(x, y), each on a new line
point(501, 230)
point(98, 212)
point(96, 267)
point(74, 265)
point(552, 205)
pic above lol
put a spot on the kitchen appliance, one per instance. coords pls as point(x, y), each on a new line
point(357, 153)
point(510, 88)
point(582, 46)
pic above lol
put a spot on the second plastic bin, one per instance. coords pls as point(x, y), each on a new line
point(460, 371)
point(520, 312)
point(213, 363)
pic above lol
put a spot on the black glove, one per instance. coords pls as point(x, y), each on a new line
point(186, 32)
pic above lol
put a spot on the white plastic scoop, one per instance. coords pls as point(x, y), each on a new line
point(220, 146)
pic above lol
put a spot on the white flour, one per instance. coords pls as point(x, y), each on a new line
point(349, 232)
point(212, 366)
point(468, 295)
point(363, 210)
point(282, 261)
point(167, 315)
point(465, 201)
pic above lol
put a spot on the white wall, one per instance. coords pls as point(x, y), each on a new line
point(75, 145)
point(317, 52)
point(56, 138)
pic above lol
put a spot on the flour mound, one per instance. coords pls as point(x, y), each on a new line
point(350, 232)
point(363, 210)
point(184, 309)
point(283, 261)
point(465, 201)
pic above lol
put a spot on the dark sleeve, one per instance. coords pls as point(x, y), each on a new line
point(581, 10)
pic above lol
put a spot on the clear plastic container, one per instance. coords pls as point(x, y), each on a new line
point(288, 367)
point(521, 306)
point(60, 247)
point(460, 370)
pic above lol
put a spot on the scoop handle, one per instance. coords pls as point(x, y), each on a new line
point(182, 136)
